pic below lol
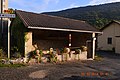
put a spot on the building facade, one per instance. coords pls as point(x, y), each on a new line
point(47, 31)
point(110, 40)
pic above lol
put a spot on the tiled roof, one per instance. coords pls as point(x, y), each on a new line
point(46, 21)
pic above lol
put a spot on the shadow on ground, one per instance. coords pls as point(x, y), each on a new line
point(109, 54)
point(84, 78)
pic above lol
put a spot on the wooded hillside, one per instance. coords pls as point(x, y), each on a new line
point(98, 15)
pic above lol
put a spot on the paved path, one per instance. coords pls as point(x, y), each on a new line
point(76, 70)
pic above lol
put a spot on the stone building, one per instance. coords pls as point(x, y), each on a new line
point(51, 31)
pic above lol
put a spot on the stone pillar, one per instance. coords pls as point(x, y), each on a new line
point(28, 43)
point(93, 51)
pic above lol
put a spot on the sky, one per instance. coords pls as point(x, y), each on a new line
point(40, 6)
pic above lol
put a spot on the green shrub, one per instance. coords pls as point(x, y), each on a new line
point(77, 51)
point(33, 53)
point(18, 55)
point(83, 48)
point(14, 49)
point(41, 52)
point(2, 54)
point(12, 65)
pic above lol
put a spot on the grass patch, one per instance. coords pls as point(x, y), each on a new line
point(98, 57)
point(12, 65)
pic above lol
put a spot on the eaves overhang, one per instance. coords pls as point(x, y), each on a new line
point(69, 30)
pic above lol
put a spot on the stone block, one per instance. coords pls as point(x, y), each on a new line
point(59, 58)
point(83, 55)
point(26, 60)
point(72, 56)
point(77, 56)
point(32, 61)
point(44, 59)
point(65, 57)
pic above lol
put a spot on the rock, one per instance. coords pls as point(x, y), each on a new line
point(20, 60)
point(44, 59)
point(13, 61)
point(32, 61)
point(25, 60)
point(38, 74)
point(3, 61)
point(8, 62)
point(17, 61)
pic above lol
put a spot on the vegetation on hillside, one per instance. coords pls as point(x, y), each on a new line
point(98, 15)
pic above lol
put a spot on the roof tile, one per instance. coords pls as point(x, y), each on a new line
point(47, 21)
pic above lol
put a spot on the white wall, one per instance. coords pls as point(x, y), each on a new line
point(112, 31)
point(117, 50)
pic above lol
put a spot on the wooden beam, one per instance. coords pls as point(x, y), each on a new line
point(58, 29)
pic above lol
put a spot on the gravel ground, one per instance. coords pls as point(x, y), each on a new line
point(75, 70)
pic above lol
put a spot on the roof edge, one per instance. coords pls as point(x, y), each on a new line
point(19, 15)
point(30, 27)
point(109, 24)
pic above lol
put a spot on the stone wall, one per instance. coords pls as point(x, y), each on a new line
point(73, 56)
point(46, 42)
point(51, 43)
point(79, 39)
point(46, 39)
point(28, 43)
point(54, 39)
